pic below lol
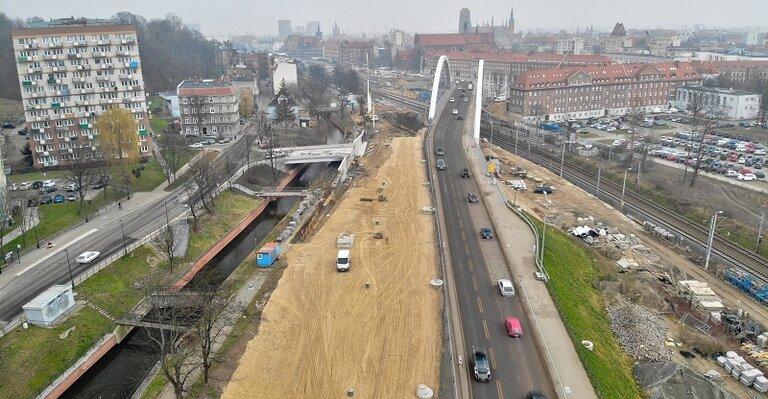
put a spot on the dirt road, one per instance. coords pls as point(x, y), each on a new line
point(323, 332)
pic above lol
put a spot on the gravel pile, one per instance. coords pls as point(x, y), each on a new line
point(639, 332)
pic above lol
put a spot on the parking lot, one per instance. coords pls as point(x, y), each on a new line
point(52, 191)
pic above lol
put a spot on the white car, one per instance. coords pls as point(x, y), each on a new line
point(747, 177)
point(25, 185)
point(742, 160)
point(455, 111)
point(506, 288)
point(731, 173)
point(196, 145)
point(466, 100)
point(87, 256)
point(49, 183)
point(452, 100)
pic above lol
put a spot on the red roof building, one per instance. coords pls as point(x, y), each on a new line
point(208, 106)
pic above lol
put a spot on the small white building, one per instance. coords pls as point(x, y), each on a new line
point(570, 45)
point(172, 102)
point(726, 103)
point(47, 307)
point(285, 70)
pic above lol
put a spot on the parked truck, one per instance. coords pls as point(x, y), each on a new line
point(344, 245)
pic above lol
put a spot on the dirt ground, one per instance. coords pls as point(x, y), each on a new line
point(324, 332)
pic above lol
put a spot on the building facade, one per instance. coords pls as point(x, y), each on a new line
point(465, 22)
point(284, 71)
point(208, 107)
point(284, 29)
point(304, 46)
point(597, 91)
point(70, 72)
point(351, 52)
point(570, 45)
point(724, 103)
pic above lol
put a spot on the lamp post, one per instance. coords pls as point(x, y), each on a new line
point(624, 189)
point(18, 252)
point(69, 267)
point(712, 228)
point(125, 247)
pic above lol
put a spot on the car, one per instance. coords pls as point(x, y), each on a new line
point(208, 142)
point(455, 111)
point(37, 184)
point(13, 187)
point(72, 187)
point(196, 145)
point(87, 256)
point(33, 202)
point(453, 100)
point(8, 125)
point(466, 100)
point(23, 132)
point(225, 140)
point(49, 183)
point(46, 199)
point(731, 173)
point(486, 234)
point(513, 327)
point(760, 175)
point(472, 197)
point(49, 189)
point(543, 190)
point(464, 173)
point(460, 118)
point(746, 177)
point(481, 367)
point(535, 395)
point(440, 151)
point(25, 185)
point(58, 199)
point(505, 287)
point(742, 160)
point(441, 164)
point(71, 197)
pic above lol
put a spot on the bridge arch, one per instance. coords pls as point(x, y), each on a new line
point(445, 78)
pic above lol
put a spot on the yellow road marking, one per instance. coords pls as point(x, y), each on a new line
point(485, 329)
point(498, 389)
point(493, 358)
point(479, 304)
point(474, 283)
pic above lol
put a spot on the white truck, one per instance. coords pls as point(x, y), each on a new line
point(342, 260)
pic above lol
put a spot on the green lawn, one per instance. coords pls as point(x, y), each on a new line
point(573, 276)
point(151, 177)
point(33, 176)
point(112, 288)
point(33, 358)
point(158, 124)
point(11, 110)
point(230, 210)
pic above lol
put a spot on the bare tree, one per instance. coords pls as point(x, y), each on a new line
point(697, 106)
point(167, 242)
point(218, 312)
point(85, 168)
point(313, 88)
point(203, 173)
point(192, 200)
point(709, 128)
point(635, 118)
point(173, 153)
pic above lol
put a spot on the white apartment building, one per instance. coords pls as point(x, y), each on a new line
point(70, 71)
point(570, 45)
point(208, 106)
point(725, 103)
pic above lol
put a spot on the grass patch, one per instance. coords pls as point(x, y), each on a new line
point(11, 110)
point(151, 176)
point(112, 288)
point(158, 124)
point(155, 387)
point(33, 358)
point(33, 176)
point(573, 275)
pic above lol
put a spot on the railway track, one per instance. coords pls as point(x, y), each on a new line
point(693, 232)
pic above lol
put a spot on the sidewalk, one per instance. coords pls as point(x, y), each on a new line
point(567, 372)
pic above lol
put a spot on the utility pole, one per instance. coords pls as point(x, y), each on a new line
point(623, 190)
point(637, 179)
point(712, 228)
point(597, 188)
point(760, 231)
point(69, 267)
point(516, 132)
point(562, 154)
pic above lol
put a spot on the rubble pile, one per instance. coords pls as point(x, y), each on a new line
point(640, 332)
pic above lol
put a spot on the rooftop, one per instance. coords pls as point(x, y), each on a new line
point(71, 24)
point(452, 39)
point(206, 87)
point(722, 90)
point(490, 56)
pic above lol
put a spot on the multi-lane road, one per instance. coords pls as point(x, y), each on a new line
point(516, 364)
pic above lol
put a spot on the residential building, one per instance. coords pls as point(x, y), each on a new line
point(742, 72)
point(396, 37)
point(724, 103)
point(351, 52)
point(336, 31)
point(664, 45)
point(617, 41)
point(570, 45)
point(303, 46)
point(70, 72)
point(501, 67)
point(313, 29)
point(284, 71)
point(208, 106)
point(284, 29)
point(597, 91)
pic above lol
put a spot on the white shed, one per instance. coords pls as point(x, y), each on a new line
point(49, 305)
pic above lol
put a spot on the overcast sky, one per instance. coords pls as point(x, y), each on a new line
point(221, 17)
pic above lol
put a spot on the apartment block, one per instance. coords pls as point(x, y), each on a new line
point(70, 72)
point(721, 102)
point(208, 106)
point(598, 91)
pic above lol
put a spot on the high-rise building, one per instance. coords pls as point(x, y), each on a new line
point(70, 72)
point(336, 30)
point(312, 28)
point(465, 23)
point(284, 28)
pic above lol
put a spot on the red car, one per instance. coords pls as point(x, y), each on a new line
point(514, 329)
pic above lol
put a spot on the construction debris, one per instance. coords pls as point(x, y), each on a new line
point(640, 333)
point(668, 380)
point(700, 295)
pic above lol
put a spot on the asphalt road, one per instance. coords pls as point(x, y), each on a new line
point(516, 366)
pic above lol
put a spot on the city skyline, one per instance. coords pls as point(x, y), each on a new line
point(379, 17)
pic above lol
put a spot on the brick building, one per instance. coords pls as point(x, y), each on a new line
point(70, 72)
point(597, 91)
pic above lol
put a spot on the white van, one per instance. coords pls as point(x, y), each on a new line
point(342, 260)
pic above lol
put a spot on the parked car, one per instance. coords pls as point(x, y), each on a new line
point(452, 100)
point(225, 140)
point(37, 184)
point(543, 190)
point(25, 185)
point(87, 256)
point(506, 288)
point(441, 164)
point(760, 175)
point(747, 177)
point(8, 125)
point(513, 327)
point(535, 395)
point(440, 151)
point(472, 197)
point(455, 111)
point(196, 145)
point(481, 367)
point(208, 142)
point(72, 187)
point(46, 199)
point(464, 173)
point(58, 199)
point(460, 118)
point(49, 189)
point(71, 197)
point(486, 234)
point(732, 173)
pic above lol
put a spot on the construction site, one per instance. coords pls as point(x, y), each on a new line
point(373, 330)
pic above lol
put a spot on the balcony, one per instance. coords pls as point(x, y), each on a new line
point(50, 57)
point(100, 55)
point(27, 83)
point(56, 105)
point(22, 58)
point(143, 132)
point(123, 53)
point(55, 45)
point(30, 46)
point(57, 69)
point(72, 56)
point(127, 41)
point(78, 79)
point(35, 70)
point(53, 81)
point(80, 43)
point(85, 126)
point(126, 77)
point(137, 87)
point(103, 78)
point(82, 102)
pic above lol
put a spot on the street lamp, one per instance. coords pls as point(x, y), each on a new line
point(624, 189)
point(18, 252)
point(491, 121)
point(712, 227)
point(69, 266)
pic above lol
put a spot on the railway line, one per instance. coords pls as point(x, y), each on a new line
point(635, 203)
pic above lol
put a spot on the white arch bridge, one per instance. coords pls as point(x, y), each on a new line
point(443, 82)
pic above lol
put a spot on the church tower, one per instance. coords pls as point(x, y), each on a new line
point(511, 22)
point(465, 24)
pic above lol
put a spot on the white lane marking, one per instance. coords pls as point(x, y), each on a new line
point(54, 253)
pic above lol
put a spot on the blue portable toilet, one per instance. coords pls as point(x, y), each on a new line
point(268, 254)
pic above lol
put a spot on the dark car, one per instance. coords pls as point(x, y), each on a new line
point(37, 184)
point(208, 142)
point(486, 234)
point(760, 175)
point(58, 199)
point(461, 118)
point(472, 197)
point(464, 172)
point(46, 199)
point(481, 367)
point(441, 164)
point(51, 189)
point(440, 151)
point(535, 395)
point(23, 132)
point(103, 181)
point(32, 202)
point(8, 125)
point(543, 190)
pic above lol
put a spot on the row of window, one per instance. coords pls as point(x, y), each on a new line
point(75, 38)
